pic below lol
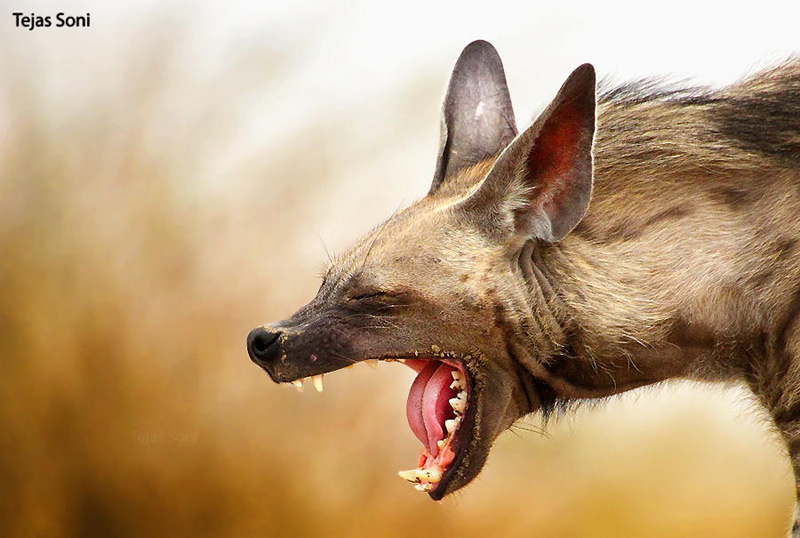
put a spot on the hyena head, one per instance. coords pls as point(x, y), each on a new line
point(446, 286)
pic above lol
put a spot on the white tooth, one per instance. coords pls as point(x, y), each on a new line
point(389, 360)
point(423, 487)
point(450, 425)
point(434, 474)
point(298, 384)
point(458, 380)
point(400, 360)
point(411, 475)
point(317, 380)
point(441, 442)
point(436, 349)
point(462, 395)
point(372, 363)
point(457, 404)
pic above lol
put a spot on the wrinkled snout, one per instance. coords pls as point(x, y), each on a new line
point(263, 345)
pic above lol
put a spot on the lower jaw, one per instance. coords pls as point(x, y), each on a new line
point(437, 462)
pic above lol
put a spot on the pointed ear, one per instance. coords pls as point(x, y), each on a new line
point(477, 118)
point(541, 184)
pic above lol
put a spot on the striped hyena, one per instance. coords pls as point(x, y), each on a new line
point(566, 262)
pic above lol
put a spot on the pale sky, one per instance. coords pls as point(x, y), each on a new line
point(342, 58)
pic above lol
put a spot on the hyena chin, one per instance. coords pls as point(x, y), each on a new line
point(509, 292)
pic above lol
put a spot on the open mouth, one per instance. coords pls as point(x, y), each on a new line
point(436, 410)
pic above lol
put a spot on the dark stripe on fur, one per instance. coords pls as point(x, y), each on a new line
point(736, 198)
point(628, 229)
point(767, 122)
point(784, 247)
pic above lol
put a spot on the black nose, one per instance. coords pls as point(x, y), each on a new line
point(263, 345)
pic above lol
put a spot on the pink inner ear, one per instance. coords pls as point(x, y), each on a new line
point(556, 153)
point(552, 159)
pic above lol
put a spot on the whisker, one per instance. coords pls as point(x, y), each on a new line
point(343, 356)
point(325, 248)
point(527, 427)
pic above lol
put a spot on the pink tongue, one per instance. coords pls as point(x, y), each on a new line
point(428, 403)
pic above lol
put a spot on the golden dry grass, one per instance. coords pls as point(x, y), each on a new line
point(128, 405)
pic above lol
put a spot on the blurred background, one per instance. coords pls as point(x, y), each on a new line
point(172, 177)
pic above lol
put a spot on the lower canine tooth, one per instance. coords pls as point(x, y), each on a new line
point(423, 487)
point(317, 380)
point(434, 474)
point(298, 384)
point(411, 475)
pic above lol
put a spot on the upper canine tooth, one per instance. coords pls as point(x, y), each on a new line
point(372, 363)
point(317, 380)
point(298, 383)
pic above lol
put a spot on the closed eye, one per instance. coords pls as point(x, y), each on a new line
point(377, 302)
point(370, 295)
